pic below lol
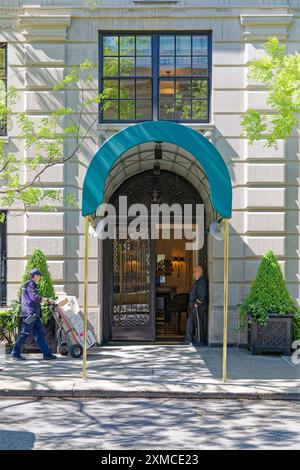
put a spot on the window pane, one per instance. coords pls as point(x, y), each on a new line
point(183, 66)
point(2, 95)
point(143, 66)
point(183, 88)
point(110, 88)
point(127, 45)
point(200, 66)
point(183, 45)
point(167, 66)
point(200, 89)
point(166, 88)
point(200, 45)
point(110, 67)
point(166, 109)
point(110, 45)
point(143, 45)
point(127, 66)
point(127, 110)
point(2, 73)
point(110, 109)
point(127, 88)
point(143, 89)
point(183, 109)
point(199, 109)
point(143, 109)
point(167, 45)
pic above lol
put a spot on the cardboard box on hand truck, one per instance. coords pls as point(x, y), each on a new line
point(70, 307)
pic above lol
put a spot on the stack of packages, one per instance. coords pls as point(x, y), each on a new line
point(69, 306)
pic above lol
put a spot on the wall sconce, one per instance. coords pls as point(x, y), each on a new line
point(178, 261)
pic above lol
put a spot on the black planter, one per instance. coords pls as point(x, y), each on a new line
point(275, 336)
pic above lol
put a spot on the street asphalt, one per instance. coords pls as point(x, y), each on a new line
point(129, 424)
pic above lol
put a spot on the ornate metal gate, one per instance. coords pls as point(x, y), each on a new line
point(132, 312)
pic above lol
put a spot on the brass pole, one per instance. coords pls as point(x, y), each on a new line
point(85, 312)
point(225, 319)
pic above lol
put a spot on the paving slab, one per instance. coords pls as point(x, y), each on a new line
point(154, 371)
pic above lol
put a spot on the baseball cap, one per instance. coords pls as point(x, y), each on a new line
point(35, 272)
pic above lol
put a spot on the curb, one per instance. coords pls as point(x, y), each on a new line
point(113, 394)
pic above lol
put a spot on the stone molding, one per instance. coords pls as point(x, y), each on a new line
point(261, 27)
point(44, 28)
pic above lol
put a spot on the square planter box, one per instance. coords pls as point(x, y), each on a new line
point(275, 336)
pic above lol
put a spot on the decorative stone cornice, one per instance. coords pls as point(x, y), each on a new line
point(261, 27)
point(48, 28)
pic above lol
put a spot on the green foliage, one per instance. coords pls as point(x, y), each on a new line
point(268, 294)
point(9, 322)
point(45, 286)
point(280, 73)
point(45, 143)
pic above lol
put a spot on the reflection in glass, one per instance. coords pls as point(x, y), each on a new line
point(110, 66)
point(127, 110)
point(110, 45)
point(127, 88)
point(167, 66)
point(110, 109)
point(183, 66)
point(143, 66)
point(200, 66)
point(166, 88)
point(200, 88)
point(183, 45)
point(183, 109)
point(143, 89)
point(127, 66)
point(183, 88)
point(167, 45)
point(199, 108)
point(110, 88)
point(166, 109)
point(200, 45)
point(143, 45)
point(143, 109)
point(127, 45)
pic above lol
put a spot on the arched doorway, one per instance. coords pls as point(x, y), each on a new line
point(137, 300)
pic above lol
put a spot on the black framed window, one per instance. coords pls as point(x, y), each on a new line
point(3, 86)
point(155, 77)
point(3, 261)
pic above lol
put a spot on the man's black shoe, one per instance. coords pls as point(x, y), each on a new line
point(49, 358)
point(17, 358)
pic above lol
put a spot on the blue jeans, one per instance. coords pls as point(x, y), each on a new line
point(39, 336)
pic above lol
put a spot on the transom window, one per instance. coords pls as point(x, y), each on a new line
point(159, 76)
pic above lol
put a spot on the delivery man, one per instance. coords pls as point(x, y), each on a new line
point(31, 318)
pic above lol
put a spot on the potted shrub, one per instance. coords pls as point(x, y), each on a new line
point(46, 289)
point(270, 313)
point(9, 324)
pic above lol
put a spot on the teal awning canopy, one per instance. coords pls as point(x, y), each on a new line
point(158, 131)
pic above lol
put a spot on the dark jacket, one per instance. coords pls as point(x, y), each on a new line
point(199, 293)
point(30, 299)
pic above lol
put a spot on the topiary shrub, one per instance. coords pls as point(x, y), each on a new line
point(45, 287)
point(269, 294)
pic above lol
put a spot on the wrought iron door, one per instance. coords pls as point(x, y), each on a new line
point(132, 290)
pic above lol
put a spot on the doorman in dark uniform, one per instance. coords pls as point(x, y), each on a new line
point(198, 303)
point(31, 314)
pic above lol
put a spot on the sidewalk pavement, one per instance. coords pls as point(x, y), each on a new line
point(153, 371)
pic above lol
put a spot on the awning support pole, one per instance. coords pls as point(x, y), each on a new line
point(85, 312)
point(225, 313)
